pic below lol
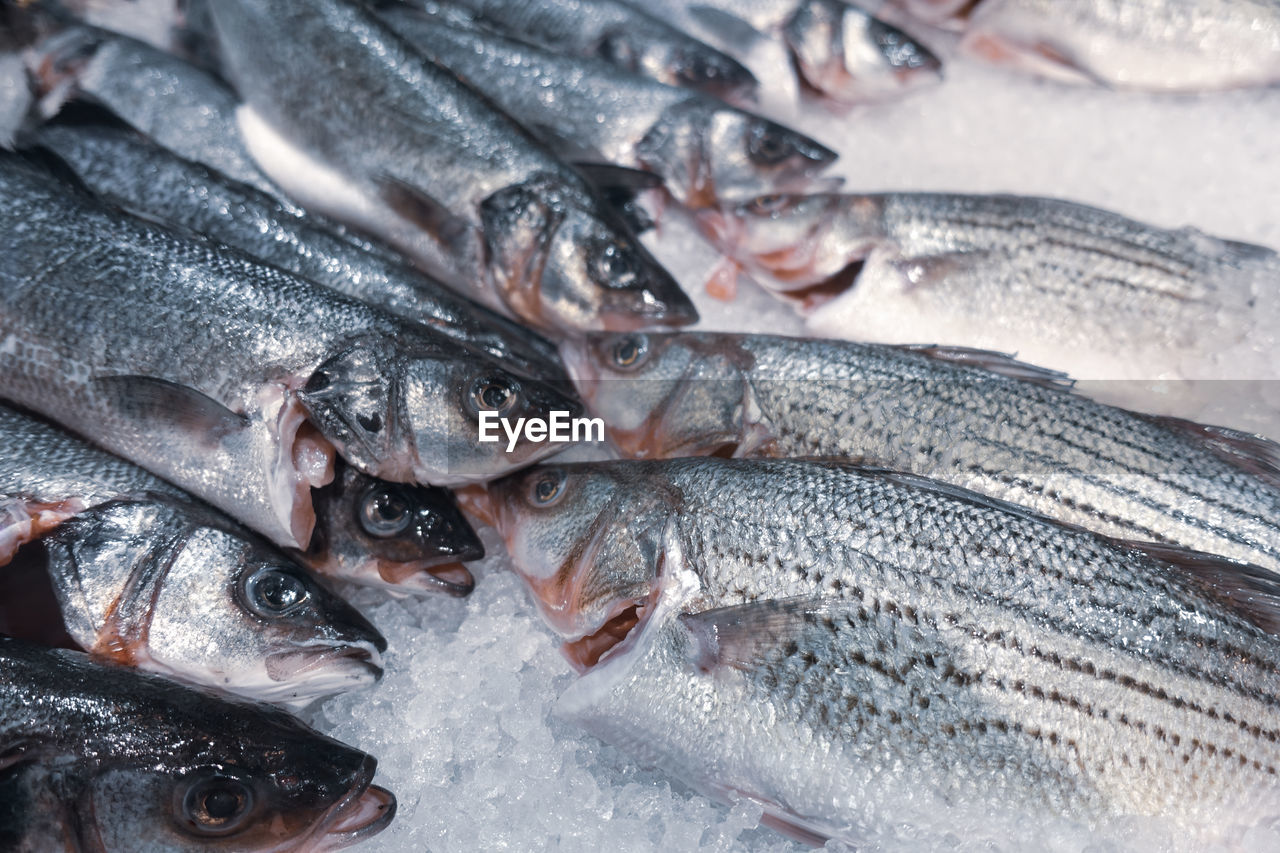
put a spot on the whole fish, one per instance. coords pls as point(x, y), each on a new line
point(971, 418)
point(146, 179)
point(622, 34)
point(895, 662)
point(232, 379)
point(146, 577)
point(1000, 272)
point(1156, 45)
point(106, 759)
point(181, 107)
point(840, 51)
point(425, 162)
point(705, 151)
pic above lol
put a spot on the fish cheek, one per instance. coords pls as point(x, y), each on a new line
point(128, 808)
point(349, 400)
point(518, 223)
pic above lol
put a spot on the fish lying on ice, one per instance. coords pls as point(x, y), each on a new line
point(1000, 272)
point(415, 156)
point(106, 759)
point(145, 576)
point(229, 378)
point(974, 419)
point(883, 659)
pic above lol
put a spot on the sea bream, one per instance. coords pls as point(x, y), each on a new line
point(1155, 45)
point(418, 158)
point(127, 170)
point(232, 379)
point(102, 758)
point(1000, 272)
point(972, 418)
point(145, 576)
point(704, 151)
point(630, 37)
point(893, 662)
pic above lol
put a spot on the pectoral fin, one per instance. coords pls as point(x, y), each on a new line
point(151, 399)
point(933, 270)
point(740, 637)
point(426, 212)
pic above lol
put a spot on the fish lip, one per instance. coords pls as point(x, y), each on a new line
point(314, 658)
point(576, 650)
point(336, 830)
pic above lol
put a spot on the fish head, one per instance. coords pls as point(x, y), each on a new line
point(664, 395)
point(409, 412)
point(229, 777)
point(850, 56)
point(563, 262)
point(585, 538)
point(401, 536)
point(173, 587)
point(708, 154)
point(680, 62)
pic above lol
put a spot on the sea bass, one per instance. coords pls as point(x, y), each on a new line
point(1157, 45)
point(422, 160)
point(622, 34)
point(891, 661)
point(972, 418)
point(106, 759)
point(146, 179)
point(704, 151)
point(229, 378)
point(146, 577)
point(1000, 272)
point(841, 52)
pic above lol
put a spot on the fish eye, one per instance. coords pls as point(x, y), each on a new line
point(216, 804)
point(547, 488)
point(276, 592)
point(494, 393)
point(614, 266)
point(385, 511)
point(766, 205)
point(630, 352)
point(617, 48)
point(769, 146)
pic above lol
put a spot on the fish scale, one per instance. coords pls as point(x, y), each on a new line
point(860, 650)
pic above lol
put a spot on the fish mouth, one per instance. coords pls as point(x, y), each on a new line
point(616, 635)
point(476, 502)
point(363, 813)
point(348, 662)
point(421, 577)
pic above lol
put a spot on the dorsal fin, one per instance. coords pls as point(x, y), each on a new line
point(1002, 364)
point(1251, 453)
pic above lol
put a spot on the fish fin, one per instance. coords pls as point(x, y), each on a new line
point(1002, 364)
point(568, 148)
point(932, 270)
point(722, 281)
point(739, 636)
point(148, 398)
point(428, 213)
point(1252, 454)
point(613, 176)
point(776, 816)
point(729, 27)
point(1250, 592)
point(14, 754)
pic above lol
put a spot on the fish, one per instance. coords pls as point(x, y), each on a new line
point(999, 272)
point(890, 661)
point(421, 160)
point(1149, 45)
point(104, 758)
point(843, 53)
point(704, 151)
point(179, 106)
point(971, 418)
point(622, 34)
point(126, 169)
point(232, 379)
point(144, 576)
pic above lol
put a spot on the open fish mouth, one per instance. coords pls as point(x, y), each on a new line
point(616, 635)
point(348, 663)
point(364, 812)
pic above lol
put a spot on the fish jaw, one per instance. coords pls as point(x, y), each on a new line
point(366, 810)
point(26, 521)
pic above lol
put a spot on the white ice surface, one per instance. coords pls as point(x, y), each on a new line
point(461, 722)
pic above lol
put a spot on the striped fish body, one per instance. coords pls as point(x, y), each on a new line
point(880, 659)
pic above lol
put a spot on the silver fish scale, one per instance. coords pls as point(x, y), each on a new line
point(945, 651)
point(1058, 453)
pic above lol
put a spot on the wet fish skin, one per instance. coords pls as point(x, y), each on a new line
point(146, 179)
point(104, 758)
point(238, 385)
point(1164, 46)
point(146, 577)
point(973, 419)
point(623, 35)
point(434, 169)
point(705, 151)
point(859, 650)
point(998, 272)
